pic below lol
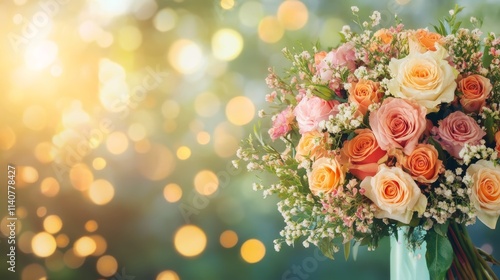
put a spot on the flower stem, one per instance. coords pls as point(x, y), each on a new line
point(459, 268)
point(474, 260)
point(464, 265)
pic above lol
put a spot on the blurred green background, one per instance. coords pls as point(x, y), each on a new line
point(122, 118)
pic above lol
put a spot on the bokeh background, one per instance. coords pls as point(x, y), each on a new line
point(122, 118)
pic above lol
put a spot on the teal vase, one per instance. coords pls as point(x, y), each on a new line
point(407, 264)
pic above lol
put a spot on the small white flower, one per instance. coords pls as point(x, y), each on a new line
point(354, 9)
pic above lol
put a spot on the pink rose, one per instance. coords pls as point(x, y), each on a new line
point(456, 130)
point(343, 56)
point(281, 124)
point(312, 110)
point(398, 123)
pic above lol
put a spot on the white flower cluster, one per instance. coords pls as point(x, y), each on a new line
point(375, 17)
point(451, 199)
point(470, 152)
point(346, 119)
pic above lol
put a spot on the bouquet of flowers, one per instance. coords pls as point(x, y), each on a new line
point(395, 128)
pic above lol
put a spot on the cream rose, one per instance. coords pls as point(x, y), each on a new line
point(395, 193)
point(486, 191)
point(326, 176)
point(426, 78)
point(311, 145)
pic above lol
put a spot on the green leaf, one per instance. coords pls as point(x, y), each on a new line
point(355, 249)
point(442, 229)
point(487, 57)
point(326, 247)
point(347, 250)
point(489, 123)
point(439, 255)
point(441, 154)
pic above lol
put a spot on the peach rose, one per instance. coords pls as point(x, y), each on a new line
point(456, 130)
point(362, 154)
point(364, 93)
point(475, 89)
point(395, 193)
point(398, 123)
point(427, 78)
point(311, 145)
point(428, 39)
point(318, 57)
point(326, 176)
point(423, 164)
point(486, 191)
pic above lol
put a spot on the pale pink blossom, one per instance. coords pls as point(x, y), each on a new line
point(282, 124)
point(312, 110)
point(342, 56)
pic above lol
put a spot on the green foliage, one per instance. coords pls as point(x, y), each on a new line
point(449, 25)
point(439, 255)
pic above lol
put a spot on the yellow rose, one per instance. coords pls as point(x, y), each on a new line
point(427, 78)
point(485, 191)
point(326, 176)
point(395, 193)
point(311, 145)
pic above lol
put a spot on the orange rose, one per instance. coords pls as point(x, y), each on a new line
point(383, 38)
point(362, 154)
point(364, 93)
point(497, 141)
point(384, 35)
point(326, 176)
point(428, 39)
point(311, 145)
point(485, 191)
point(475, 89)
point(423, 164)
